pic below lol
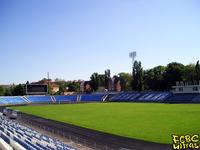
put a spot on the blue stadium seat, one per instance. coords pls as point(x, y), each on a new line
point(91, 97)
point(180, 98)
point(12, 100)
point(5, 137)
point(66, 98)
point(28, 138)
point(39, 99)
point(140, 97)
point(196, 99)
point(134, 96)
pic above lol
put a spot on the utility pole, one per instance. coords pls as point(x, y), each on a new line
point(48, 83)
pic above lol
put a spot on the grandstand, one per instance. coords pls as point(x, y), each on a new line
point(91, 97)
point(6, 100)
point(39, 99)
point(183, 98)
point(141, 97)
point(158, 97)
point(18, 137)
point(181, 93)
point(65, 98)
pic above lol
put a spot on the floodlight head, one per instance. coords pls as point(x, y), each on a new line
point(132, 54)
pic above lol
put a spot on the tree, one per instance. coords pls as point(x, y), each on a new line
point(8, 91)
point(174, 72)
point(18, 90)
point(2, 91)
point(138, 76)
point(189, 73)
point(95, 81)
point(107, 78)
point(153, 78)
point(73, 87)
point(149, 79)
point(50, 90)
point(126, 80)
point(197, 68)
point(101, 80)
point(62, 86)
point(59, 80)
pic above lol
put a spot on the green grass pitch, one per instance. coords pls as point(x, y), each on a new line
point(146, 121)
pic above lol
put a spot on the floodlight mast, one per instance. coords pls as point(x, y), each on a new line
point(132, 55)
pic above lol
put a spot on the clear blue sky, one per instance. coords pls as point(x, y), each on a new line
point(71, 39)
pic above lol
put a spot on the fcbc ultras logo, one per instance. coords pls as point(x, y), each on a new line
point(189, 142)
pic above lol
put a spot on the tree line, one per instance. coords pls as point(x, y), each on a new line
point(20, 89)
point(13, 90)
point(162, 78)
point(159, 78)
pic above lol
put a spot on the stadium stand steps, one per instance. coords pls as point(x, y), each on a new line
point(161, 97)
point(141, 97)
point(92, 97)
point(65, 98)
point(25, 99)
point(12, 100)
point(18, 137)
point(39, 99)
point(53, 99)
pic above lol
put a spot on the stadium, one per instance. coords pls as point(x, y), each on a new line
point(70, 78)
point(108, 120)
